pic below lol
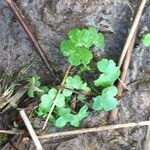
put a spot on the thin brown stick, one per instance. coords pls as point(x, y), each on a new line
point(57, 96)
point(126, 57)
point(132, 31)
point(96, 129)
point(113, 114)
point(84, 130)
point(13, 132)
point(74, 91)
point(42, 54)
point(31, 130)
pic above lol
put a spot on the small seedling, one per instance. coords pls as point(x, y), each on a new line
point(110, 72)
point(76, 49)
point(67, 117)
point(34, 86)
point(74, 83)
point(47, 101)
point(106, 101)
point(146, 39)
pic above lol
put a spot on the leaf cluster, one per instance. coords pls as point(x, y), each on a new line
point(109, 74)
point(76, 48)
point(63, 112)
point(34, 86)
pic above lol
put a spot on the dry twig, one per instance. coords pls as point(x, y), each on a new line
point(96, 129)
point(57, 96)
point(31, 130)
point(84, 130)
point(132, 31)
point(13, 132)
point(127, 51)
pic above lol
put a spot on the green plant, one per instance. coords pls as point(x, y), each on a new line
point(34, 86)
point(146, 39)
point(110, 72)
point(76, 48)
point(74, 83)
point(106, 101)
point(62, 114)
point(75, 90)
point(65, 116)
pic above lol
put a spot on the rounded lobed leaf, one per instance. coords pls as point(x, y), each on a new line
point(52, 93)
point(63, 111)
point(75, 121)
point(60, 122)
point(106, 101)
point(97, 104)
point(83, 112)
point(76, 48)
point(110, 73)
point(67, 47)
point(109, 103)
point(110, 91)
point(60, 102)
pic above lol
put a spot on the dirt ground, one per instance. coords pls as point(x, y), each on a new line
point(50, 20)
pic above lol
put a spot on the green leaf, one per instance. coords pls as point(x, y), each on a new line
point(67, 47)
point(34, 85)
point(98, 38)
point(80, 55)
point(60, 122)
point(81, 115)
point(97, 105)
point(60, 102)
point(52, 93)
point(52, 119)
point(83, 112)
point(110, 91)
point(76, 47)
point(81, 97)
point(30, 92)
point(110, 73)
point(67, 92)
point(146, 39)
point(68, 117)
point(86, 38)
point(75, 121)
point(75, 82)
point(46, 102)
point(45, 89)
point(63, 111)
point(35, 80)
point(106, 101)
point(75, 36)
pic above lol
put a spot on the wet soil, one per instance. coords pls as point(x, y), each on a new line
point(50, 20)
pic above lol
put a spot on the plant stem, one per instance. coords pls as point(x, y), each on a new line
point(57, 96)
